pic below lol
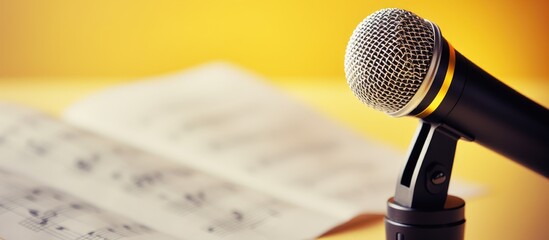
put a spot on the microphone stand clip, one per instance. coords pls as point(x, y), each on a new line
point(421, 208)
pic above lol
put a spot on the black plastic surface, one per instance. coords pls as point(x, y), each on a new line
point(403, 223)
point(495, 116)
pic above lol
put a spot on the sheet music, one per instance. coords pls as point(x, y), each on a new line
point(172, 198)
point(29, 210)
point(220, 119)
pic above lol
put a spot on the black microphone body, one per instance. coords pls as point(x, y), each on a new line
point(483, 109)
point(401, 64)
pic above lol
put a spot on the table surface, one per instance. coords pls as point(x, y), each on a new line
point(514, 205)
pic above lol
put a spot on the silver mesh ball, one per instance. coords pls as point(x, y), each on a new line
point(388, 57)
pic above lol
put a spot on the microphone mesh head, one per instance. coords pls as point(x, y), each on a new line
point(387, 58)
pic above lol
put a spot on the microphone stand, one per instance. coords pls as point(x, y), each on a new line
point(421, 208)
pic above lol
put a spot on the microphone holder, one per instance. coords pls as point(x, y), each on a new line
point(421, 208)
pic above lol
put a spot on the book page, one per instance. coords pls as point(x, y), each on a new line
point(30, 210)
point(146, 188)
point(229, 122)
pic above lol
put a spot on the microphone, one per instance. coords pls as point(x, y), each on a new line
point(400, 64)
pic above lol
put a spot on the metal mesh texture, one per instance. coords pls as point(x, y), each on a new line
point(388, 57)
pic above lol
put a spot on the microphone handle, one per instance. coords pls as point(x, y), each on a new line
point(497, 117)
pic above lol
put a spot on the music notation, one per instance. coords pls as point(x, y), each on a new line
point(29, 210)
point(208, 154)
point(252, 131)
point(240, 218)
point(148, 188)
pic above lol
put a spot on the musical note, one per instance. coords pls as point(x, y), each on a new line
point(192, 201)
point(243, 219)
point(151, 189)
point(39, 212)
point(116, 232)
point(86, 163)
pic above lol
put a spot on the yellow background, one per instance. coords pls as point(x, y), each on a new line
point(128, 38)
point(53, 52)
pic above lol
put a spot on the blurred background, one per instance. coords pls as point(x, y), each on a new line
point(133, 38)
point(53, 52)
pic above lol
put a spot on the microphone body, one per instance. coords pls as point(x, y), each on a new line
point(483, 109)
point(400, 64)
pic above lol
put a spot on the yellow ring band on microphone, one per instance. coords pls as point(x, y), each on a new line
point(445, 85)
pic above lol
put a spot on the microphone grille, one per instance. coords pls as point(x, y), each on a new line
point(388, 57)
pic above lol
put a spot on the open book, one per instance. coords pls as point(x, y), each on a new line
point(210, 153)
